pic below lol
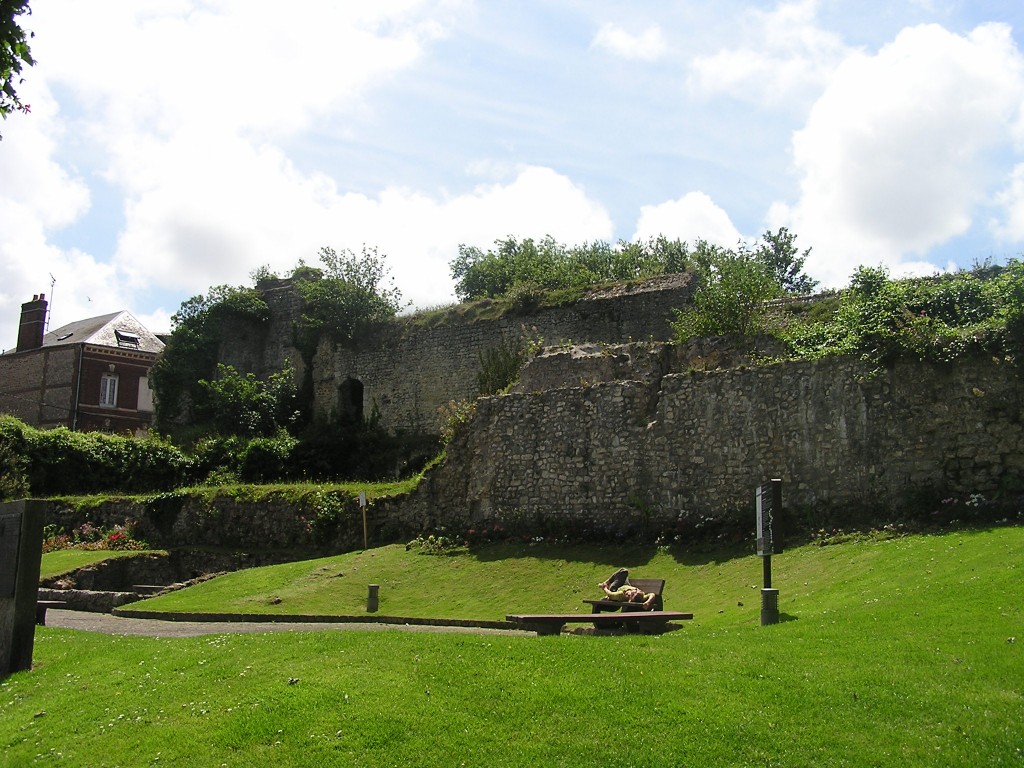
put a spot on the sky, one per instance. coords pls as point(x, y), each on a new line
point(175, 145)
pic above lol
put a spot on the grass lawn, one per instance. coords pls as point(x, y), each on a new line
point(63, 561)
point(902, 652)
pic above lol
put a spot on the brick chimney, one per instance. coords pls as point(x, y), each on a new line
point(33, 323)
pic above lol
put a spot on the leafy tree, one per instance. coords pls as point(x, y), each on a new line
point(14, 55)
point(246, 406)
point(1010, 307)
point(730, 296)
point(778, 251)
point(13, 460)
point(262, 275)
point(45, 462)
point(352, 293)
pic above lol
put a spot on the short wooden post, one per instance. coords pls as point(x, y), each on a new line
point(371, 599)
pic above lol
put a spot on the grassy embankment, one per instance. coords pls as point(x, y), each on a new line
point(891, 652)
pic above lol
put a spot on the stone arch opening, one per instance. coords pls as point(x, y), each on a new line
point(350, 400)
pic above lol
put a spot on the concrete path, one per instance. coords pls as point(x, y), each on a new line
point(120, 625)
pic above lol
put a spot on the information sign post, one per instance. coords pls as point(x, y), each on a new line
point(768, 498)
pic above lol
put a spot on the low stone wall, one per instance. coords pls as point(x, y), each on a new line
point(88, 600)
point(254, 531)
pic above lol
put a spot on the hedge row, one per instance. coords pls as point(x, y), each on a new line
point(59, 462)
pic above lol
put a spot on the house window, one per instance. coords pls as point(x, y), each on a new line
point(108, 390)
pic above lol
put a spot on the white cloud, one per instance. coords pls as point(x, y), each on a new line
point(209, 193)
point(259, 210)
point(649, 45)
point(421, 234)
point(37, 197)
point(783, 53)
point(84, 286)
point(29, 175)
point(693, 216)
point(893, 158)
point(1011, 201)
point(177, 107)
point(217, 126)
point(244, 64)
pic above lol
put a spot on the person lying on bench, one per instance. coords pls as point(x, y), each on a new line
point(618, 589)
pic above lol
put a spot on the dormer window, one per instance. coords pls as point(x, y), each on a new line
point(127, 339)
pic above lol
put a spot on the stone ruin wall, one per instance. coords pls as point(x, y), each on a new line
point(658, 438)
point(409, 371)
point(262, 349)
point(605, 436)
point(693, 444)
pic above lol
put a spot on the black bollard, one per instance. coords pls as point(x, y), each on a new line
point(769, 607)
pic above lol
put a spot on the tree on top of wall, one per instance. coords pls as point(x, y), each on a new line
point(730, 296)
point(778, 252)
point(735, 284)
point(516, 266)
point(351, 294)
point(939, 318)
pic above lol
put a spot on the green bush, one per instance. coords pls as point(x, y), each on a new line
point(216, 458)
point(13, 461)
point(939, 318)
point(500, 366)
point(190, 355)
point(523, 270)
point(58, 461)
point(730, 297)
point(265, 459)
point(244, 405)
point(359, 451)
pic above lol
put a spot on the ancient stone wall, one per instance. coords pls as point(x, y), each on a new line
point(263, 348)
point(408, 371)
point(694, 444)
point(270, 528)
point(653, 441)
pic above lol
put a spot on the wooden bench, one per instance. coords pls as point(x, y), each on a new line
point(657, 586)
point(552, 623)
point(42, 605)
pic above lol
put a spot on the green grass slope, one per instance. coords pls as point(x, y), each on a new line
point(902, 652)
point(63, 561)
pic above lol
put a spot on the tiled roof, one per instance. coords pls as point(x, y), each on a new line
point(119, 330)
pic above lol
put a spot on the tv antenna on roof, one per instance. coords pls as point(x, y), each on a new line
point(53, 282)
